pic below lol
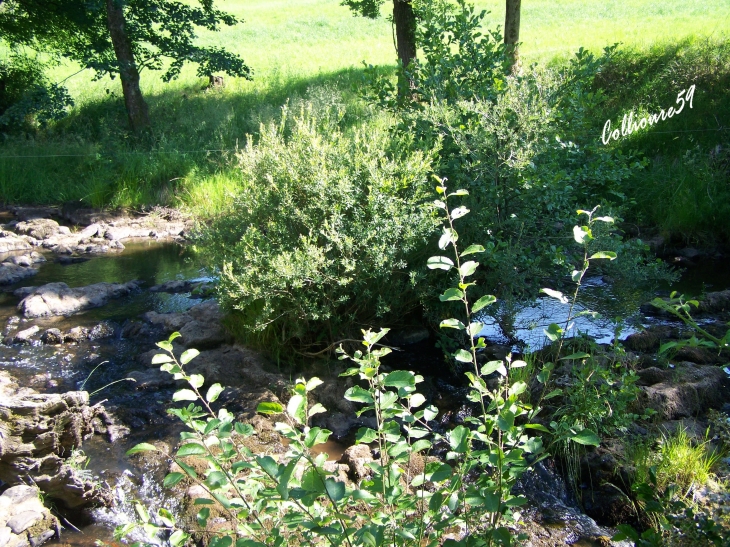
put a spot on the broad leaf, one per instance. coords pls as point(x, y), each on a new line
point(188, 355)
point(141, 447)
point(484, 301)
point(439, 262)
point(269, 408)
point(468, 268)
point(185, 395)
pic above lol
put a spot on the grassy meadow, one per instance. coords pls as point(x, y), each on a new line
point(304, 48)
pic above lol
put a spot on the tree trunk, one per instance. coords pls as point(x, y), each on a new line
point(512, 32)
point(134, 102)
point(404, 20)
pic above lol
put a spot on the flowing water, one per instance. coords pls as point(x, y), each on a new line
point(94, 364)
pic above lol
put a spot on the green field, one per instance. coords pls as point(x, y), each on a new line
point(293, 46)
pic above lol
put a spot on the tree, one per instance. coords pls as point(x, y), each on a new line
point(404, 21)
point(123, 37)
point(512, 32)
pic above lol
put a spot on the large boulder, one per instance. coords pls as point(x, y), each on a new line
point(59, 299)
point(38, 432)
point(690, 390)
point(10, 242)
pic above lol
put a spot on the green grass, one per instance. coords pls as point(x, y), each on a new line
point(295, 48)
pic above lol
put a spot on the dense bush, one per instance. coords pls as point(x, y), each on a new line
point(26, 95)
point(327, 234)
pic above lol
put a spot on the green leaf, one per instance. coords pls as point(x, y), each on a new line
point(188, 355)
point(460, 192)
point(452, 324)
point(178, 538)
point(313, 383)
point(582, 234)
point(269, 408)
point(610, 220)
point(471, 249)
point(422, 444)
point(586, 437)
point(316, 436)
point(196, 380)
point(463, 356)
point(213, 392)
point(610, 255)
point(449, 236)
point(483, 302)
point(365, 435)
point(316, 408)
point(578, 355)
point(220, 541)
point(458, 439)
point(202, 517)
point(142, 512)
point(555, 294)
point(335, 489)
point(296, 408)
point(439, 262)
point(400, 378)
point(459, 212)
point(491, 367)
point(141, 447)
point(553, 332)
point(191, 449)
point(506, 420)
point(452, 294)
point(358, 395)
point(172, 479)
point(161, 358)
point(167, 346)
point(184, 395)
point(468, 268)
point(269, 465)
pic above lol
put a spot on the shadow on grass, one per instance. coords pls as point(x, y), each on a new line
point(91, 156)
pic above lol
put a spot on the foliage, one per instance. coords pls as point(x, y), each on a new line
point(162, 33)
point(27, 97)
point(680, 308)
point(523, 146)
point(326, 233)
point(662, 487)
point(270, 502)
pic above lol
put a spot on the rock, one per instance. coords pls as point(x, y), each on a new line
point(39, 228)
point(102, 330)
point(22, 521)
point(151, 379)
point(355, 457)
point(22, 292)
point(59, 299)
point(23, 336)
point(692, 390)
point(715, 302)
point(406, 337)
point(650, 339)
point(200, 327)
point(609, 505)
point(176, 286)
point(12, 273)
point(37, 431)
point(10, 242)
point(23, 518)
point(30, 213)
point(66, 260)
point(76, 335)
point(699, 355)
point(52, 336)
point(90, 231)
point(653, 375)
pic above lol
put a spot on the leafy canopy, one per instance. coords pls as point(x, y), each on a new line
point(162, 33)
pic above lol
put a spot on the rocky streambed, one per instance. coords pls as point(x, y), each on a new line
point(86, 294)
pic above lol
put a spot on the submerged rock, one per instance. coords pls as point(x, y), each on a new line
point(12, 273)
point(59, 299)
point(200, 327)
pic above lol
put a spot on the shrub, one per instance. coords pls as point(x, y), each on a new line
point(26, 96)
point(327, 233)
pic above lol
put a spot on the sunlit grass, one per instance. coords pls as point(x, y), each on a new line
point(293, 46)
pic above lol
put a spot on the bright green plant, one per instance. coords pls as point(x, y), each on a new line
point(680, 308)
point(326, 234)
point(272, 502)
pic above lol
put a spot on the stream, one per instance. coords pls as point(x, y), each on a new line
point(95, 363)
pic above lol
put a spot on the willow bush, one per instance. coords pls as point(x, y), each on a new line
point(327, 234)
